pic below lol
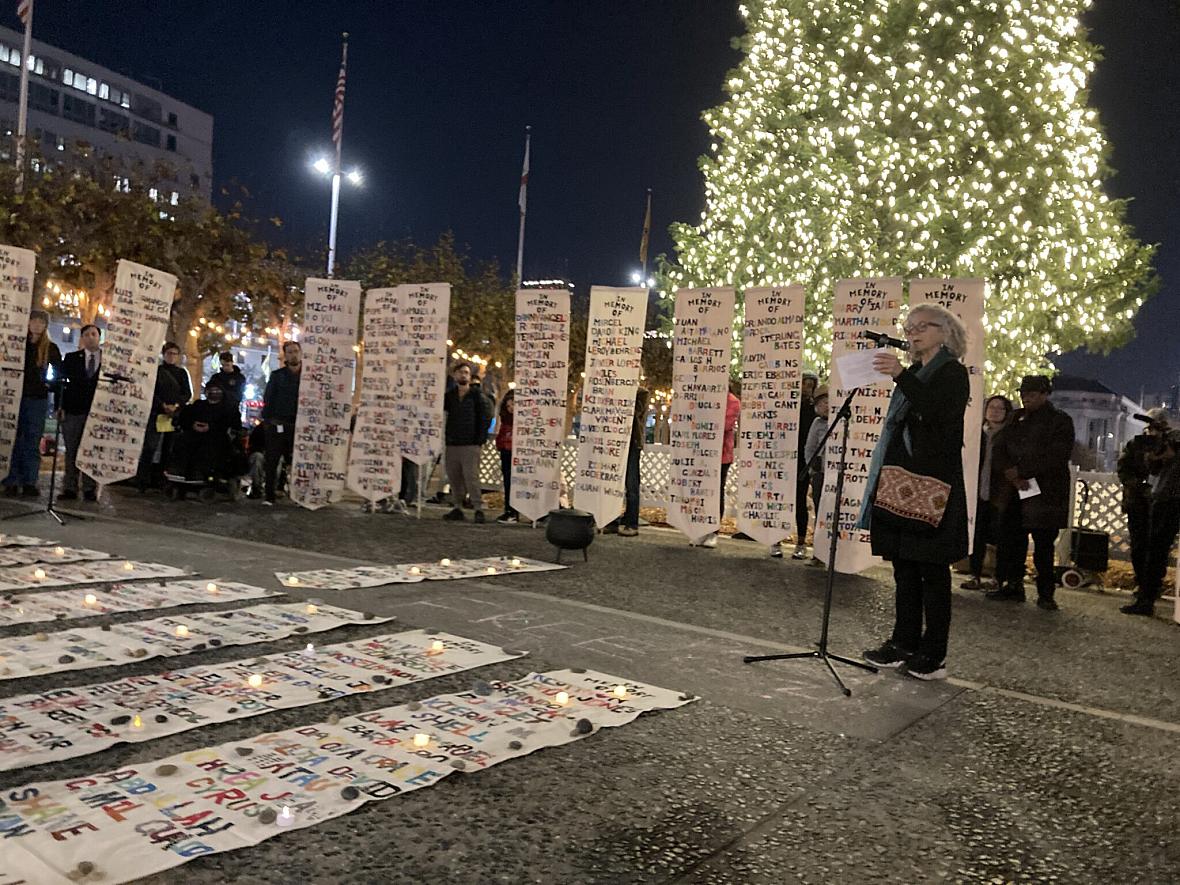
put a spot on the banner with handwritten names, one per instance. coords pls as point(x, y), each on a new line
point(22, 541)
point(421, 377)
point(30, 555)
point(17, 269)
point(859, 306)
point(374, 458)
point(768, 432)
point(60, 605)
point(34, 577)
point(614, 356)
point(241, 793)
point(320, 462)
point(542, 378)
point(136, 327)
point(63, 723)
point(965, 298)
point(116, 644)
point(411, 573)
point(701, 346)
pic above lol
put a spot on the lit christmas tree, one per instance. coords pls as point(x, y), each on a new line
point(921, 138)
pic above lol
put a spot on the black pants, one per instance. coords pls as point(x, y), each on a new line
point(631, 489)
point(1165, 524)
point(802, 487)
point(278, 445)
point(923, 594)
point(724, 476)
point(1012, 552)
point(983, 536)
point(506, 473)
point(1139, 536)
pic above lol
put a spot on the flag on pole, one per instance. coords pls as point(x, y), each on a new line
point(522, 201)
point(24, 9)
point(646, 233)
point(338, 106)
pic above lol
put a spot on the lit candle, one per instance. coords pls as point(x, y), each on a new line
point(59, 551)
point(90, 599)
point(491, 569)
point(437, 647)
point(619, 691)
point(562, 698)
point(255, 680)
point(129, 566)
point(312, 609)
point(421, 740)
point(181, 631)
point(292, 582)
point(39, 573)
point(444, 561)
point(211, 587)
point(516, 563)
point(414, 570)
point(137, 723)
point(286, 817)
point(309, 649)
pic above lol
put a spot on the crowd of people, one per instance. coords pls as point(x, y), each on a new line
point(915, 508)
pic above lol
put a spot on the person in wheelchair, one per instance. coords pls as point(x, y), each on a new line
point(209, 447)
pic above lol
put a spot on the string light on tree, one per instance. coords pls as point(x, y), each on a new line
point(920, 138)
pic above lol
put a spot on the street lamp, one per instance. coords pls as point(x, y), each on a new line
point(324, 166)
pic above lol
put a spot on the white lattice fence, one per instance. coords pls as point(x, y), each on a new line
point(1103, 511)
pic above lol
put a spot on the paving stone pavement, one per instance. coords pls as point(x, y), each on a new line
point(772, 777)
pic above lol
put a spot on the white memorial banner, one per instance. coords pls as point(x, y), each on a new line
point(63, 723)
point(320, 463)
point(966, 299)
point(22, 541)
point(148, 817)
point(542, 377)
point(17, 270)
point(33, 577)
point(421, 377)
point(56, 605)
point(768, 453)
point(116, 644)
point(136, 327)
point(29, 555)
point(614, 356)
point(859, 306)
point(374, 459)
point(701, 345)
point(411, 573)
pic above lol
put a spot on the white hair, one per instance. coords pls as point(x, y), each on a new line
point(954, 332)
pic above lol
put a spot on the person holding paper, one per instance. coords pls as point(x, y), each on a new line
point(1032, 455)
point(915, 504)
point(172, 391)
point(279, 409)
point(42, 358)
point(79, 372)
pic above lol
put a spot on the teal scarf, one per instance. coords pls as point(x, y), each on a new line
point(899, 407)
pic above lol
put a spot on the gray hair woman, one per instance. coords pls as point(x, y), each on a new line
point(915, 505)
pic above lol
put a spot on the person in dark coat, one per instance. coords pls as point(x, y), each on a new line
point(468, 417)
point(1134, 474)
point(231, 381)
point(922, 434)
point(1033, 449)
point(997, 411)
point(204, 448)
point(41, 355)
point(173, 389)
point(80, 374)
point(280, 408)
point(1164, 523)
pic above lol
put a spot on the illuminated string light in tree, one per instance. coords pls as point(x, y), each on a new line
point(921, 138)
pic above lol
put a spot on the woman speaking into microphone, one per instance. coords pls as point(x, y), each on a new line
point(915, 506)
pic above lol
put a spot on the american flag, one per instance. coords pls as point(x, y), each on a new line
point(24, 9)
point(338, 107)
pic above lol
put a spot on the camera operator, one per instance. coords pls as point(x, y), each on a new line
point(1164, 523)
point(1135, 477)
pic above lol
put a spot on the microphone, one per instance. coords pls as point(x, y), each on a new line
point(885, 340)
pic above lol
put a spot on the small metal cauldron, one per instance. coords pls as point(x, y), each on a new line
point(570, 530)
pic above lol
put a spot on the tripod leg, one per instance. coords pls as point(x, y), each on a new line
point(852, 663)
point(840, 682)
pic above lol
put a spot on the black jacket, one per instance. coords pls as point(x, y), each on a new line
point(281, 399)
point(232, 383)
point(36, 385)
point(935, 424)
point(468, 418)
point(1038, 444)
point(167, 392)
point(77, 391)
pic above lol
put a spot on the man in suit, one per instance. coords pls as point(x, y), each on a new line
point(80, 378)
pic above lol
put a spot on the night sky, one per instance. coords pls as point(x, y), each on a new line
point(439, 94)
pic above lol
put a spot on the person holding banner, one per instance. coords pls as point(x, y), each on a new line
point(41, 356)
point(79, 371)
point(915, 505)
point(468, 416)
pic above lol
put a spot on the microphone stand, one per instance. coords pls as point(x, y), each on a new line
point(821, 652)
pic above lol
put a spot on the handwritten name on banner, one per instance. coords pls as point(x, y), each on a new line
point(136, 326)
point(29, 555)
point(411, 573)
point(67, 722)
point(17, 267)
point(145, 818)
point(614, 351)
point(320, 463)
point(767, 459)
point(53, 605)
point(88, 647)
point(965, 298)
point(542, 374)
point(422, 369)
point(374, 459)
point(859, 306)
point(700, 382)
point(26, 577)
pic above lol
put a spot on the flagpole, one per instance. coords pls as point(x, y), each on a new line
point(23, 107)
point(643, 243)
point(338, 137)
point(523, 202)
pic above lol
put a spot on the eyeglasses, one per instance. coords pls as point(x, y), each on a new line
point(918, 328)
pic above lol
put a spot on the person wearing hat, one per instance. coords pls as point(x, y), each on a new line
point(1163, 522)
point(1135, 476)
point(1032, 457)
